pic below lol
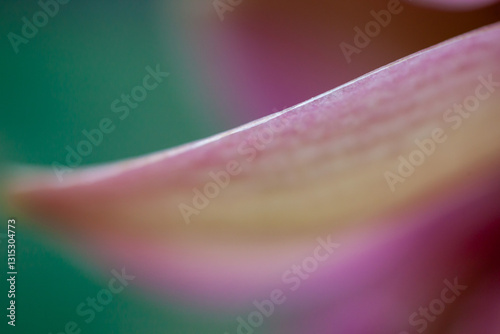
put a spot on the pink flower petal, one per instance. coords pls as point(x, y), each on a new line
point(320, 171)
point(456, 4)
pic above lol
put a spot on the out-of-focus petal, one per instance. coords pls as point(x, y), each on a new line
point(455, 4)
point(268, 55)
point(328, 155)
point(314, 170)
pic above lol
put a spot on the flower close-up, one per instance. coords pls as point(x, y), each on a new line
point(268, 167)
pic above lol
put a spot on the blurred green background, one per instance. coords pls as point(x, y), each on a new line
point(60, 83)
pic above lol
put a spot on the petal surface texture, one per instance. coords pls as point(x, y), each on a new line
point(400, 168)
